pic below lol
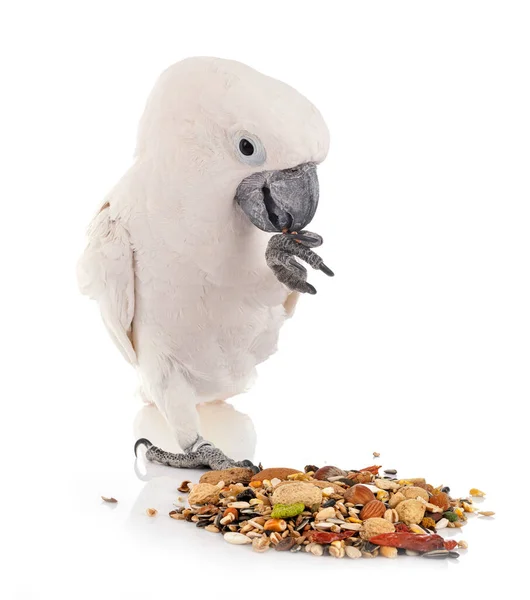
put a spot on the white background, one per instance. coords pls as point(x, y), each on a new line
point(417, 349)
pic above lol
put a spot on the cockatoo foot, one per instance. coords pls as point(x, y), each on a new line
point(200, 454)
point(280, 256)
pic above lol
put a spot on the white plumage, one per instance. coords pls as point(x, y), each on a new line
point(177, 268)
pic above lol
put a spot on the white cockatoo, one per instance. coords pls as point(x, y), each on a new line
point(191, 286)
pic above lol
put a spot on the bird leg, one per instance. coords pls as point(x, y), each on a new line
point(200, 454)
point(280, 256)
point(176, 400)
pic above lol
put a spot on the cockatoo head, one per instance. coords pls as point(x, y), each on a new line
point(240, 140)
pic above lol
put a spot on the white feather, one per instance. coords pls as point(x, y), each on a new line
point(105, 273)
point(177, 268)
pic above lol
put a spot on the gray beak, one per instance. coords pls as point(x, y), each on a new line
point(280, 200)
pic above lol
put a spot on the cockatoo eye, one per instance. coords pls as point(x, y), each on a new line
point(246, 147)
point(249, 149)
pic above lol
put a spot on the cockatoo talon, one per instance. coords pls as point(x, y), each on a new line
point(200, 454)
point(280, 256)
point(248, 464)
point(325, 269)
point(141, 442)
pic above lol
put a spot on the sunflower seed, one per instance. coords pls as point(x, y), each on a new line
point(436, 554)
point(236, 538)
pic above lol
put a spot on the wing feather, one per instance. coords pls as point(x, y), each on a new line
point(106, 274)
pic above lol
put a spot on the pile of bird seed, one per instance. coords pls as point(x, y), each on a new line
point(329, 511)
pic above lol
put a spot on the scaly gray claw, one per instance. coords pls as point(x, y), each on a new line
point(141, 442)
point(200, 454)
point(325, 269)
point(281, 254)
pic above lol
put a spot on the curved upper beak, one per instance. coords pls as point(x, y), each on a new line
point(280, 200)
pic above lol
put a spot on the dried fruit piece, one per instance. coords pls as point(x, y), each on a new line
point(374, 470)
point(428, 523)
point(283, 511)
point(409, 541)
point(476, 492)
point(323, 537)
point(450, 544)
point(441, 499)
point(111, 500)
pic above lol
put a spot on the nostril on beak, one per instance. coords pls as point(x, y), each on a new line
point(279, 218)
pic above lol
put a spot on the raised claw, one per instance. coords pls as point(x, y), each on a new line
point(247, 464)
point(280, 256)
point(325, 269)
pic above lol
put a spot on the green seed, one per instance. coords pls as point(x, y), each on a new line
point(451, 516)
point(282, 511)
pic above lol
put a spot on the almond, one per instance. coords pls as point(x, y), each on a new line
point(359, 494)
point(373, 509)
